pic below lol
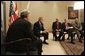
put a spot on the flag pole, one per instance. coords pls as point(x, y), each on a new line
point(28, 5)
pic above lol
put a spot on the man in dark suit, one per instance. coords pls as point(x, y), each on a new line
point(39, 30)
point(56, 27)
point(64, 25)
point(70, 32)
point(67, 27)
point(19, 29)
point(78, 29)
point(64, 28)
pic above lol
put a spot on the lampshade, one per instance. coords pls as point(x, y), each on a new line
point(79, 5)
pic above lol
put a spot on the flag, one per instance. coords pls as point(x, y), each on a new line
point(13, 12)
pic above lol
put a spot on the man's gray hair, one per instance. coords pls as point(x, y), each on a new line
point(24, 12)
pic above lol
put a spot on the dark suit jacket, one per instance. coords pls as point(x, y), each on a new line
point(54, 26)
point(19, 29)
point(37, 28)
point(63, 26)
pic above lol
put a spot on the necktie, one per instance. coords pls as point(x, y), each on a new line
point(57, 25)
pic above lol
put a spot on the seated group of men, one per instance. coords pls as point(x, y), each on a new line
point(69, 28)
point(22, 28)
point(59, 28)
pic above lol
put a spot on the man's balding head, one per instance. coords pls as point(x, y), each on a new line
point(76, 20)
point(65, 20)
point(56, 19)
point(40, 19)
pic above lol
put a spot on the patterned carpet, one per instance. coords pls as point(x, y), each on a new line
point(73, 49)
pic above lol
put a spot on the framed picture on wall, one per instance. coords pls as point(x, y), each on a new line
point(72, 14)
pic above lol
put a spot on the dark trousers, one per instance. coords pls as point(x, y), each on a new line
point(82, 34)
point(78, 34)
point(60, 34)
point(63, 38)
point(45, 35)
point(42, 34)
point(71, 34)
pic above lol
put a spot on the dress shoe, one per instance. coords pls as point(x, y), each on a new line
point(63, 40)
point(72, 42)
point(67, 38)
point(59, 40)
point(55, 39)
point(80, 41)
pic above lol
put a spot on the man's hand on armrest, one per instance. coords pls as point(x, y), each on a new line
point(58, 30)
point(43, 31)
point(69, 27)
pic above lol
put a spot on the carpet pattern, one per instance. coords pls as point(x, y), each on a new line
point(73, 49)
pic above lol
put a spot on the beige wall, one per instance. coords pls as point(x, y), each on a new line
point(49, 10)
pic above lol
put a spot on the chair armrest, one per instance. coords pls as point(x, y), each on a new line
point(11, 42)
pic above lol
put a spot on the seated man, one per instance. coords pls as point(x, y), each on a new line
point(64, 26)
point(67, 27)
point(56, 28)
point(70, 29)
point(39, 30)
point(78, 29)
point(20, 29)
point(82, 33)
